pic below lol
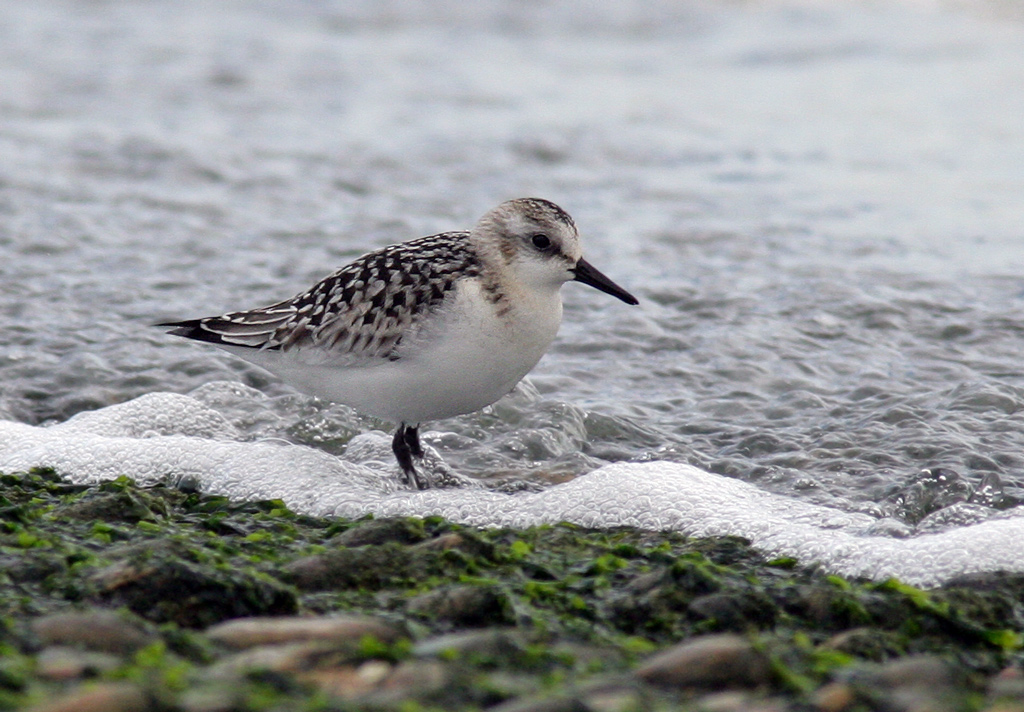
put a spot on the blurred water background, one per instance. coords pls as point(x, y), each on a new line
point(819, 204)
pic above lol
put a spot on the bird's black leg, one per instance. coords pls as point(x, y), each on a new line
point(412, 439)
point(406, 445)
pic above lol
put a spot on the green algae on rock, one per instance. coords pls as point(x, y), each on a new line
point(465, 618)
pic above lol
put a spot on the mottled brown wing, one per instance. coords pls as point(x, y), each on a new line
point(360, 312)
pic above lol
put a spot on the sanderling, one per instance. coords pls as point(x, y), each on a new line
point(423, 330)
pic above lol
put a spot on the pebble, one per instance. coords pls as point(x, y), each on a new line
point(381, 531)
point(102, 697)
point(110, 507)
point(349, 682)
point(834, 697)
point(733, 611)
point(250, 632)
point(496, 643)
point(924, 671)
point(867, 643)
point(729, 701)
point(917, 683)
point(613, 695)
point(207, 697)
point(464, 606)
point(353, 567)
point(412, 679)
point(98, 630)
point(711, 662)
point(557, 704)
point(58, 663)
point(919, 699)
point(159, 581)
point(470, 544)
point(734, 701)
point(1009, 683)
point(285, 658)
point(1006, 706)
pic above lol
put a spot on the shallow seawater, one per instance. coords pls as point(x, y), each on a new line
point(818, 204)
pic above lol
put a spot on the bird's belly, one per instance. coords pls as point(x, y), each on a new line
point(465, 361)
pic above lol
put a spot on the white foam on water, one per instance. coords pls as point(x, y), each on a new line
point(164, 437)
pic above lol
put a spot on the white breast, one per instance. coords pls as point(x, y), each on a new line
point(463, 357)
point(476, 352)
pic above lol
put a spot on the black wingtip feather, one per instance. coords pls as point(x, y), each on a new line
point(192, 329)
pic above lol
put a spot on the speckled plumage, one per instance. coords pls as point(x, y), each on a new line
point(422, 330)
point(362, 310)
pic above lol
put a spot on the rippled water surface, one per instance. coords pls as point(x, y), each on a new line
point(819, 204)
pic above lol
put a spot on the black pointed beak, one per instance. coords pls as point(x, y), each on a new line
point(588, 274)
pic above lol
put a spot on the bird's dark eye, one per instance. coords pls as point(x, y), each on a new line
point(541, 241)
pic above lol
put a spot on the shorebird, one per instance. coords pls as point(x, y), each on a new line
point(425, 329)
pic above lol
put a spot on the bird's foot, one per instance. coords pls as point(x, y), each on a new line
point(422, 468)
point(406, 446)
